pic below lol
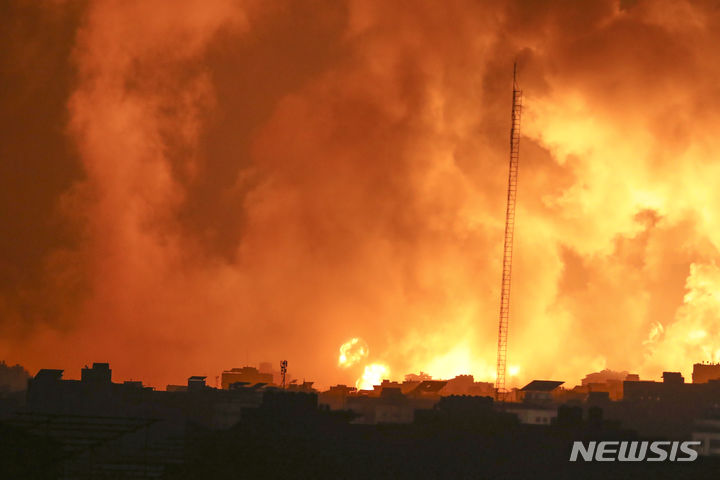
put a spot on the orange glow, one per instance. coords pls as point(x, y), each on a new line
point(373, 374)
point(238, 182)
point(353, 351)
point(696, 328)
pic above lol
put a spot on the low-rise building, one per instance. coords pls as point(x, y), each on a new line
point(707, 431)
point(539, 392)
point(533, 414)
point(247, 375)
point(704, 372)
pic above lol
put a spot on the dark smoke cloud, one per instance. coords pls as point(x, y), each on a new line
point(38, 279)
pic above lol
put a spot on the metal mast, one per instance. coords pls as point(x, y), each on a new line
point(283, 372)
point(508, 242)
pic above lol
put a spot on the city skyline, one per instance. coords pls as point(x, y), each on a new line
point(372, 239)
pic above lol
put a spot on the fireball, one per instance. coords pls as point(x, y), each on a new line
point(352, 352)
point(373, 375)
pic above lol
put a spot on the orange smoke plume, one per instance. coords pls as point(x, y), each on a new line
point(240, 181)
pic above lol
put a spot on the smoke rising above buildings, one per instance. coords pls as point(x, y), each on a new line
point(212, 182)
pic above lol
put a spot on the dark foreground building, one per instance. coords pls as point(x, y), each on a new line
point(460, 437)
point(93, 428)
point(102, 429)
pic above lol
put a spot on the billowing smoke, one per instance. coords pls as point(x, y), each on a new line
point(249, 181)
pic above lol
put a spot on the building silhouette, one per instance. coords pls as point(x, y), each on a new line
point(704, 372)
point(245, 375)
point(94, 427)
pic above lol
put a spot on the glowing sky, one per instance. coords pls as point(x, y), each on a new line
point(190, 186)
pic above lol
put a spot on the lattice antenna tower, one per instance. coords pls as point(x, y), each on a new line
point(500, 390)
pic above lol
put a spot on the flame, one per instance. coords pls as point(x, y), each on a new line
point(461, 359)
point(372, 375)
point(352, 352)
point(693, 335)
point(367, 188)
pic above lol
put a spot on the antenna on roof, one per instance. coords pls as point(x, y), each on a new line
point(283, 371)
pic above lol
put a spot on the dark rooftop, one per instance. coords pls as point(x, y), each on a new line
point(429, 386)
point(50, 373)
point(541, 386)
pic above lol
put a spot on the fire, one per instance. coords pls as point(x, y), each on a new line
point(695, 330)
point(461, 359)
point(355, 351)
point(373, 375)
point(368, 189)
point(352, 352)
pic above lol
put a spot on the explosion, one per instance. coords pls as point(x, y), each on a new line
point(352, 352)
point(695, 333)
point(372, 375)
point(223, 177)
